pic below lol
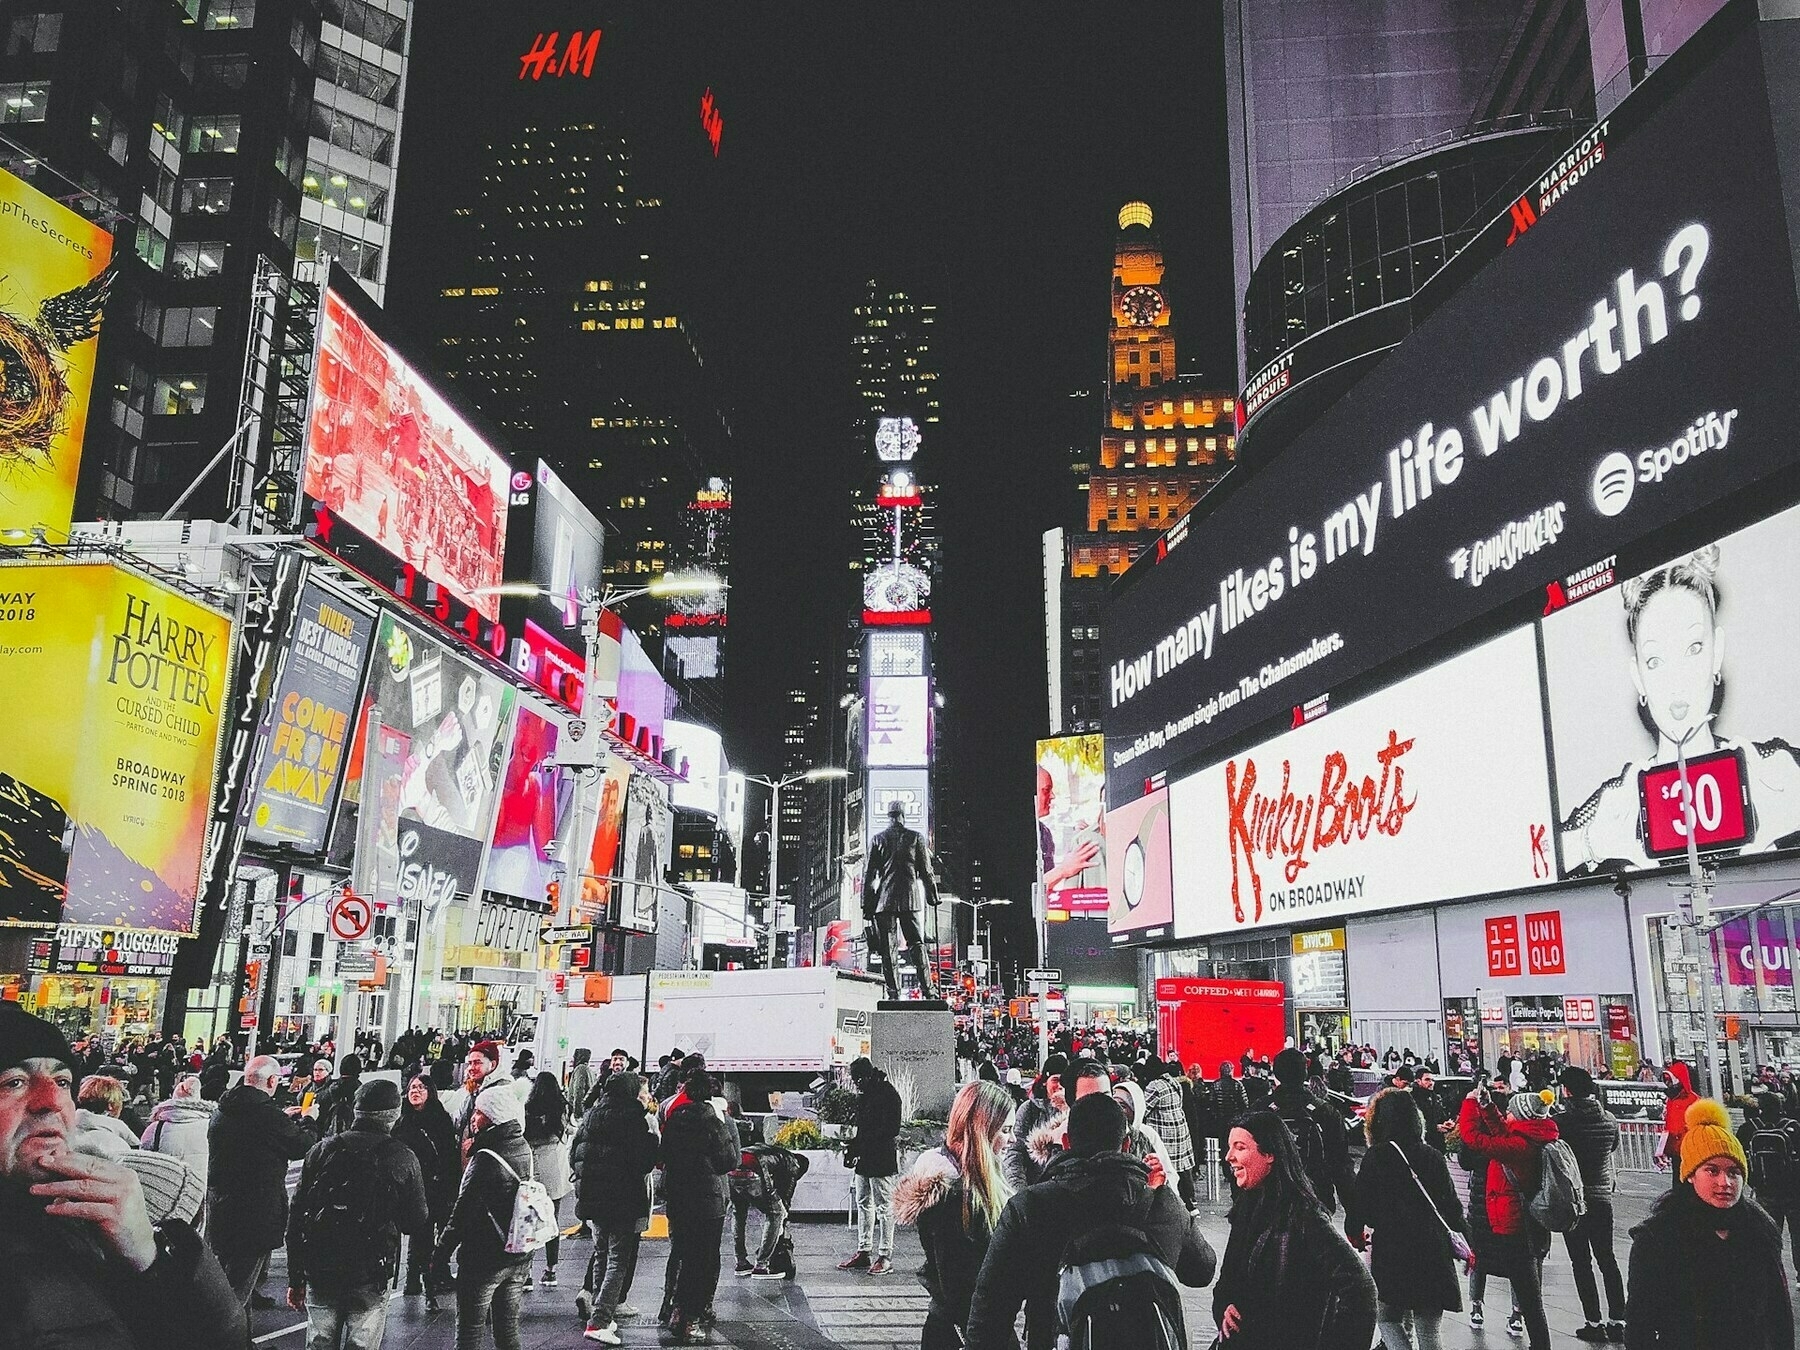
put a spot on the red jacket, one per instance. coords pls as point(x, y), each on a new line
point(1675, 1113)
point(1511, 1146)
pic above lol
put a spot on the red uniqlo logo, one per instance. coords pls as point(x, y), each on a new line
point(1544, 943)
point(1503, 947)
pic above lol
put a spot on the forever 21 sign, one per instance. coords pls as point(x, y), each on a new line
point(1483, 458)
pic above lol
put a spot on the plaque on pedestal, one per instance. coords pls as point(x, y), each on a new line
point(914, 1044)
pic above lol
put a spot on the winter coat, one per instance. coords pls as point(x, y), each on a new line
point(178, 1127)
point(1592, 1135)
point(699, 1146)
point(581, 1085)
point(930, 1196)
point(1297, 1287)
point(431, 1135)
point(60, 1291)
point(1143, 1142)
point(482, 1214)
point(873, 1151)
point(1689, 1289)
point(1229, 1102)
point(1079, 1192)
point(337, 1104)
point(1291, 1101)
point(550, 1155)
point(1515, 1150)
point(616, 1150)
point(249, 1146)
point(898, 859)
point(1411, 1258)
point(1164, 1113)
point(406, 1187)
point(1675, 1110)
point(1017, 1164)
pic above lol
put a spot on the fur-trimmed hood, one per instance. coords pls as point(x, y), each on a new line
point(929, 1183)
point(1046, 1141)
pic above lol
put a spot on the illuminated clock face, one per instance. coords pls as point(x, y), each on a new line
point(1142, 304)
point(896, 438)
point(1134, 874)
point(896, 588)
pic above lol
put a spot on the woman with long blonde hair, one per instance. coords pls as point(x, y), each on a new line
point(954, 1195)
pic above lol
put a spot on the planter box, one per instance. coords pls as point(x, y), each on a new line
point(828, 1186)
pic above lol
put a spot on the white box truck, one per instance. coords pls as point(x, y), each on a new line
point(761, 1029)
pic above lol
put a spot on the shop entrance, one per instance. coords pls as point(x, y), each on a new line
point(1418, 1036)
point(1571, 1045)
point(86, 1005)
point(1322, 1028)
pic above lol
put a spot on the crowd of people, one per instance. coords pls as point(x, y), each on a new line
point(136, 1198)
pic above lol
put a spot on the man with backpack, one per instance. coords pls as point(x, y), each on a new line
point(1771, 1139)
point(764, 1180)
point(1317, 1128)
point(359, 1191)
point(491, 1277)
point(1592, 1134)
point(1095, 1240)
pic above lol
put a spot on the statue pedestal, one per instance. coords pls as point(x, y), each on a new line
point(914, 1043)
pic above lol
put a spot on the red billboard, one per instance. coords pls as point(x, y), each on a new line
point(1211, 1022)
point(388, 456)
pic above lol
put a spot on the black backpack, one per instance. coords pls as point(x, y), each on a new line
point(349, 1223)
point(1115, 1291)
point(1309, 1140)
point(1772, 1162)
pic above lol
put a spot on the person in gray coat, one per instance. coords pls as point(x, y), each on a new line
point(178, 1127)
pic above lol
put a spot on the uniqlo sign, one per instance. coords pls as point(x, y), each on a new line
point(1544, 944)
point(1503, 946)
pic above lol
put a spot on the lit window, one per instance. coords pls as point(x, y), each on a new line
point(206, 196)
point(231, 14)
point(25, 102)
point(179, 395)
point(201, 258)
point(214, 135)
point(454, 290)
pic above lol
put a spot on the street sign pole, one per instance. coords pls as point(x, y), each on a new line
point(1697, 918)
point(1043, 1002)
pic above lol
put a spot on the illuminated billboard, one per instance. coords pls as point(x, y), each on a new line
point(646, 846)
point(553, 551)
point(1070, 800)
point(116, 685)
point(704, 752)
point(896, 439)
point(49, 331)
point(419, 795)
point(389, 457)
point(535, 798)
point(899, 721)
point(311, 713)
point(911, 788)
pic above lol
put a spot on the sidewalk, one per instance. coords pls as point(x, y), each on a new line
point(826, 1307)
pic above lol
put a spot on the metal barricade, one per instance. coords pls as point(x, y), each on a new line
point(1637, 1145)
point(1211, 1182)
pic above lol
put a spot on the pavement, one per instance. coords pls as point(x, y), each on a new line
point(825, 1307)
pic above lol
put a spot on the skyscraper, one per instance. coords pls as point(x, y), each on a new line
point(1318, 89)
point(234, 148)
point(1164, 440)
point(555, 280)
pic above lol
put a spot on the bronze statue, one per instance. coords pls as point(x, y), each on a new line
point(897, 858)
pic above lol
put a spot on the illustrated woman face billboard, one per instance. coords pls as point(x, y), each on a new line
point(1699, 655)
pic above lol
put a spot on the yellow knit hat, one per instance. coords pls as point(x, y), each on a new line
point(1708, 1135)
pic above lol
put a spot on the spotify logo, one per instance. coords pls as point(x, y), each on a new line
point(1613, 481)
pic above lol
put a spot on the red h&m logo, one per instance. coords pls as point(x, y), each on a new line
point(1544, 944)
point(1503, 947)
point(577, 57)
point(711, 120)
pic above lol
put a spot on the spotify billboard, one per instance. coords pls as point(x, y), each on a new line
point(1631, 359)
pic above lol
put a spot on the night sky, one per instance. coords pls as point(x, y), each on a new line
point(951, 149)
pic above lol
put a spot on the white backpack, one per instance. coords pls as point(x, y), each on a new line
point(533, 1214)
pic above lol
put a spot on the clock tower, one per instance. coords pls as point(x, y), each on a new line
point(1142, 339)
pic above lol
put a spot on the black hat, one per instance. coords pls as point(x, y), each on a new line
point(1096, 1124)
point(1403, 1074)
point(1577, 1081)
point(378, 1094)
point(1290, 1066)
point(897, 810)
point(23, 1037)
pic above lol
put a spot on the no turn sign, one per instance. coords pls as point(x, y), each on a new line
point(350, 917)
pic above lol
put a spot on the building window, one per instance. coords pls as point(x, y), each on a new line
point(205, 196)
point(1133, 356)
point(33, 33)
point(217, 134)
point(231, 71)
point(1156, 356)
point(24, 102)
point(152, 245)
point(168, 121)
point(179, 395)
point(365, 21)
point(374, 83)
point(352, 196)
point(284, 221)
point(189, 325)
point(231, 14)
point(352, 134)
point(109, 133)
point(362, 260)
point(200, 258)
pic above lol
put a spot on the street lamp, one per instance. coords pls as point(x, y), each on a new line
point(978, 906)
point(663, 587)
point(775, 785)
